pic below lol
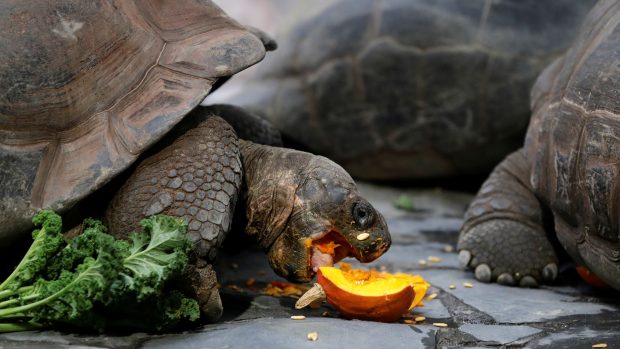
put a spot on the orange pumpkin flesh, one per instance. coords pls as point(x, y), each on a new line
point(371, 295)
point(327, 250)
point(591, 278)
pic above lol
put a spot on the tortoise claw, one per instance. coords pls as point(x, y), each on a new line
point(506, 279)
point(464, 258)
point(550, 272)
point(528, 281)
point(483, 273)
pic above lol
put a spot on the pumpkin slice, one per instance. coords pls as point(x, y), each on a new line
point(366, 295)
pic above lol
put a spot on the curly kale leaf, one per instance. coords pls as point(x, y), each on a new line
point(155, 255)
point(93, 239)
point(48, 240)
point(173, 308)
point(94, 280)
point(68, 297)
point(154, 313)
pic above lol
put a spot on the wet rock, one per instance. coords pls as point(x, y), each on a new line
point(583, 337)
point(498, 333)
point(485, 315)
point(286, 333)
point(513, 304)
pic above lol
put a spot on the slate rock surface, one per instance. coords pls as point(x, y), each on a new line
point(567, 315)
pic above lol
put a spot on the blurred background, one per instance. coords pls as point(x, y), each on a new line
point(402, 91)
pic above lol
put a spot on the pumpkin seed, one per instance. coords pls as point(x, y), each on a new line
point(409, 322)
point(440, 324)
point(431, 296)
point(313, 336)
point(452, 287)
point(298, 317)
point(363, 236)
point(420, 318)
point(434, 259)
point(468, 285)
point(422, 262)
point(600, 345)
point(448, 248)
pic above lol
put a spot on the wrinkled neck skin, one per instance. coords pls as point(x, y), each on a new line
point(271, 184)
point(296, 201)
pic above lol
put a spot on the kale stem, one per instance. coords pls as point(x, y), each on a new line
point(86, 273)
point(24, 289)
point(15, 327)
point(9, 293)
point(9, 302)
point(15, 316)
point(17, 300)
point(6, 293)
point(33, 247)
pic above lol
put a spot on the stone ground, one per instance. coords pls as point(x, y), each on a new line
point(568, 315)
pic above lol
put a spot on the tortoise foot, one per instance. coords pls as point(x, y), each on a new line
point(509, 253)
point(201, 280)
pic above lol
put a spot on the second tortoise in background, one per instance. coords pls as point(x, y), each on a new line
point(409, 89)
point(564, 182)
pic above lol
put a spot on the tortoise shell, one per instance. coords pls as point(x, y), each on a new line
point(574, 143)
point(409, 89)
point(87, 86)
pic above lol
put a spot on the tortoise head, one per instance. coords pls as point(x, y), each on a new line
point(306, 212)
point(328, 221)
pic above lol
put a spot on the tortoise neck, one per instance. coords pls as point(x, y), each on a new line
point(271, 178)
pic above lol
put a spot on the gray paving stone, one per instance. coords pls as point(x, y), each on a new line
point(287, 333)
point(433, 202)
point(578, 338)
point(514, 304)
point(43, 345)
point(486, 315)
point(414, 230)
point(433, 310)
point(497, 333)
point(57, 340)
point(407, 258)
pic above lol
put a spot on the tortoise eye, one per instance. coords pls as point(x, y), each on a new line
point(363, 214)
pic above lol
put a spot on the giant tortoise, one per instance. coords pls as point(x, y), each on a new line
point(91, 87)
point(562, 188)
point(410, 89)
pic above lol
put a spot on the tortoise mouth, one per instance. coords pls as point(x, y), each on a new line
point(326, 249)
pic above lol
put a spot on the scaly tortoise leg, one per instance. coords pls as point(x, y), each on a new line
point(503, 238)
point(194, 173)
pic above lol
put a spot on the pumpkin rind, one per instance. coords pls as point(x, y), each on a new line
point(384, 308)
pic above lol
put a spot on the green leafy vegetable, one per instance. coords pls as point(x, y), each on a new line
point(96, 281)
point(47, 241)
point(404, 202)
point(155, 256)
